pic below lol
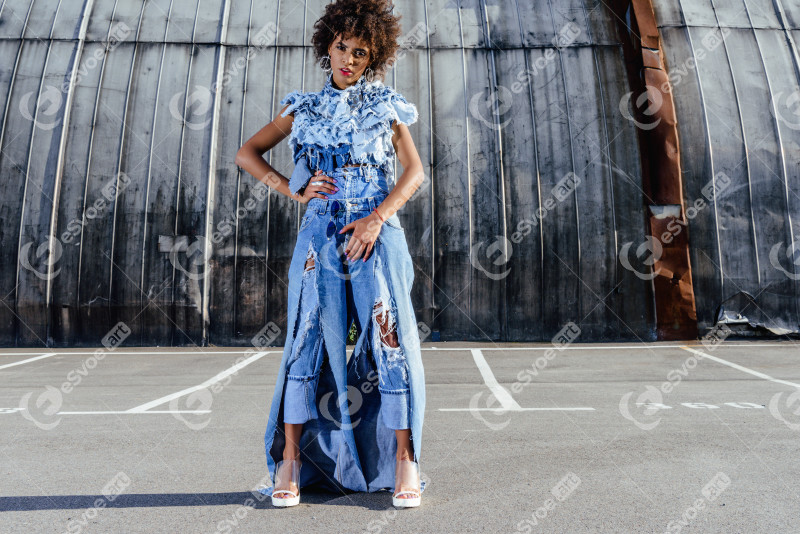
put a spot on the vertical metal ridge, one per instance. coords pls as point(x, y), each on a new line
point(746, 150)
point(536, 159)
point(500, 165)
point(788, 33)
point(179, 185)
point(608, 142)
point(122, 142)
point(432, 169)
point(50, 237)
point(222, 36)
point(776, 123)
point(62, 146)
point(150, 159)
point(469, 152)
point(239, 171)
point(710, 151)
point(27, 19)
point(796, 62)
point(571, 152)
point(25, 187)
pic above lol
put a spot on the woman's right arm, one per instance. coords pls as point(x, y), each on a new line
point(249, 156)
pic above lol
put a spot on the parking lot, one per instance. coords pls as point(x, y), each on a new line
point(628, 437)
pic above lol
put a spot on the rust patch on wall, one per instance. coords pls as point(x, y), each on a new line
point(676, 316)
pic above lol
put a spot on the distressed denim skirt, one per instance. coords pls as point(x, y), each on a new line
point(349, 407)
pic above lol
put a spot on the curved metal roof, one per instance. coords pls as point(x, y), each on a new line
point(120, 200)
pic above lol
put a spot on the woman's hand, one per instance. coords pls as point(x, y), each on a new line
point(314, 190)
point(365, 232)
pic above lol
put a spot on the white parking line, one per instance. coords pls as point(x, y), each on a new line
point(128, 412)
point(499, 392)
point(741, 368)
point(28, 360)
point(213, 380)
point(503, 410)
point(543, 346)
point(135, 352)
point(636, 346)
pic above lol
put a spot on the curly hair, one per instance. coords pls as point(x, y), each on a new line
point(369, 20)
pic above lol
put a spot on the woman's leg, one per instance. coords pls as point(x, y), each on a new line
point(404, 449)
point(302, 376)
point(406, 477)
point(394, 387)
point(305, 360)
point(291, 451)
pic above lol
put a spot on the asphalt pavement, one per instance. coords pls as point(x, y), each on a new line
point(618, 437)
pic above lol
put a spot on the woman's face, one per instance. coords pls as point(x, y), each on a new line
point(349, 60)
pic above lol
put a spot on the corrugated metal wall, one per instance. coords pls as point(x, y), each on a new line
point(735, 74)
point(120, 199)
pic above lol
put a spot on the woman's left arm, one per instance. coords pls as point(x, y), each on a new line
point(412, 176)
point(367, 228)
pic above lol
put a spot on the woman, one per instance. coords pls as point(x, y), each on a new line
point(341, 423)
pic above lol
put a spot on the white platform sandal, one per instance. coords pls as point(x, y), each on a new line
point(406, 470)
point(287, 472)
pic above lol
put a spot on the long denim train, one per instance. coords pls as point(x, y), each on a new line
point(349, 407)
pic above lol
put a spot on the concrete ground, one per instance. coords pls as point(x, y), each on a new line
point(660, 437)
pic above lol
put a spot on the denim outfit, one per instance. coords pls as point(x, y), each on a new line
point(349, 408)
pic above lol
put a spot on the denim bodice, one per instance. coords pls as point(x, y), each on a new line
point(335, 127)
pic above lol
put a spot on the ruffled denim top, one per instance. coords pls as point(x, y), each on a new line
point(335, 127)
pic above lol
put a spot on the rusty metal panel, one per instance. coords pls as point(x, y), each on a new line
point(661, 178)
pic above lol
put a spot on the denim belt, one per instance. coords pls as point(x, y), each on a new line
point(324, 205)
